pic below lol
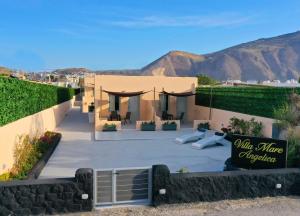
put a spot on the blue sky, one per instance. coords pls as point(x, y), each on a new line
point(109, 34)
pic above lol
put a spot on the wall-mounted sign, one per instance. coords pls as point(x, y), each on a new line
point(258, 153)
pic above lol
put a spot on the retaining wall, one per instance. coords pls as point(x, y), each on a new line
point(214, 186)
point(49, 196)
point(32, 125)
point(222, 117)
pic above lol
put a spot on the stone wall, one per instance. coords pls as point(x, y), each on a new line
point(195, 187)
point(48, 196)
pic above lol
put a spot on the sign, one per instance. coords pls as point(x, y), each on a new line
point(258, 153)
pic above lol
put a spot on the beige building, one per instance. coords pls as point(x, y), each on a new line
point(153, 95)
point(88, 97)
point(145, 97)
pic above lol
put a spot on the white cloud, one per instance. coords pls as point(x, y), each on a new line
point(91, 26)
point(218, 20)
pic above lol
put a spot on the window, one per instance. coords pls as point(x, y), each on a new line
point(114, 103)
point(117, 103)
point(167, 102)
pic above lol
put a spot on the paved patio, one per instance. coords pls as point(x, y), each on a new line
point(78, 149)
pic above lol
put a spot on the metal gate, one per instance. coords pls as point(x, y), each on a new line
point(123, 186)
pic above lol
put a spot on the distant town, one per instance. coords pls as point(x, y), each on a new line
point(73, 77)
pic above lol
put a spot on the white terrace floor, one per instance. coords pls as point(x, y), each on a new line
point(78, 149)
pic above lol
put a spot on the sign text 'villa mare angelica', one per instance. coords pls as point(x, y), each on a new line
point(258, 153)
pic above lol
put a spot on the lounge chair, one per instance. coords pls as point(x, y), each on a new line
point(212, 140)
point(199, 134)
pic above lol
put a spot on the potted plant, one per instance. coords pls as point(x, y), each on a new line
point(148, 126)
point(91, 113)
point(169, 125)
point(109, 127)
point(204, 125)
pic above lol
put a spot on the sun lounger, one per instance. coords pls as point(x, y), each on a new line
point(209, 141)
point(199, 134)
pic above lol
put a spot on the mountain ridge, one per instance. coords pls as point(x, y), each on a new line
point(263, 59)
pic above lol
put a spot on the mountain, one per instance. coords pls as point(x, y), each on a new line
point(5, 71)
point(69, 71)
point(263, 59)
point(175, 63)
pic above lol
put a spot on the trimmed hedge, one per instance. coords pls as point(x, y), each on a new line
point(259, 101)
point(20, 98)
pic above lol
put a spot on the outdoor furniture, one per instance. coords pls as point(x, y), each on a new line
point(127, 118)
point(166, 116)
point(114, 116)
point(199, 134)
point(180, 117)
point(212, 140)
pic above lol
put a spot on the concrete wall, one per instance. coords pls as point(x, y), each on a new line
point(219, 117)
point(214, 186)
point(142, 83)
point(32, 125)
point(88, 96)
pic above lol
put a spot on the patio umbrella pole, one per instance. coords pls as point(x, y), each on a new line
point(154, 104)
point(210, 104)
point(100, 102)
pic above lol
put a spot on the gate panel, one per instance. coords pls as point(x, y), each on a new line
point(117, 186)
point(104, 187)
point(132, 185)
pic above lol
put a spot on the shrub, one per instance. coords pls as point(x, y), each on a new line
point(259, 101)
point(293, 156)
point(169, 123)
point(203, 126)
point(109, 127)
point(28, 151)
point(5, 176)
point(148, 123)
point(288, 118)
point(183, 170)
point(19, 98)
point(243, 127)
point(206, 80)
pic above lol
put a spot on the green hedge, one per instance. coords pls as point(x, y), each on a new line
point(259, 101)
point(20, 98)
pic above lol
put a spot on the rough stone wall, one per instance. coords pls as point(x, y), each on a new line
point(48, 196)
point(195, 187)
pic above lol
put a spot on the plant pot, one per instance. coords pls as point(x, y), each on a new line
point(109, 129)
point(203, 126)
point(91, 117)
point(147, 127)
point(169, 127)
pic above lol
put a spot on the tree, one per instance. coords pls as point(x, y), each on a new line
point(206, 80)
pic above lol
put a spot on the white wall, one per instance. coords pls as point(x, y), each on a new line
point(32, 125)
